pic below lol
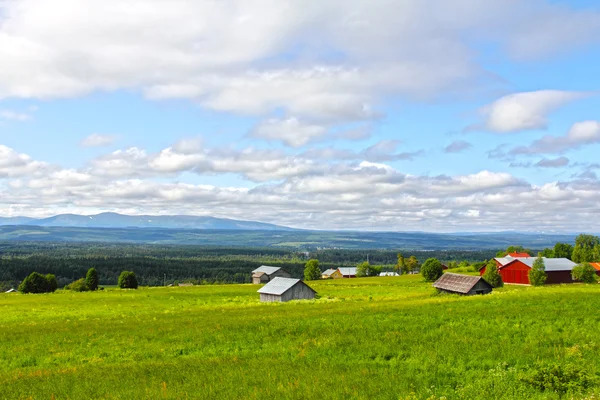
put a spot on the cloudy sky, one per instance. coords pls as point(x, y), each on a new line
point(431, 115)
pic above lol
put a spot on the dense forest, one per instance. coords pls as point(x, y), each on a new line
point(159, 264)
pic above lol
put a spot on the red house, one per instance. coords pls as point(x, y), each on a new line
point(516, 270)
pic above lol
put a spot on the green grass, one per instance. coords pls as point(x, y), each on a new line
point(372, 338)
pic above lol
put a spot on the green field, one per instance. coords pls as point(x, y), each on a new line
point(371, 338)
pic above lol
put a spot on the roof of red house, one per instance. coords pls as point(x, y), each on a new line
point(596, 266)
point(551, 264)
point(517, 255)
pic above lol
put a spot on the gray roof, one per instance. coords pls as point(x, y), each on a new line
point(10, 291)
point(328, 272)
point(552, 264)
point(266, 269)
point(348, 271)
point(279, 286)
point(457, 283)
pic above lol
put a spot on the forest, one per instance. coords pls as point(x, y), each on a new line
point(156, 265)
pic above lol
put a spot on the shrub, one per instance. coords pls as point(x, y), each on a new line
point(312, 271)
point(38, 283)
point(537, 274)
point(560, 379)
point(584, 272)
point(91, 279)
point(366, 269)
point(432, 269)
point(492, 276)
point(127, 280)
point(79, 285)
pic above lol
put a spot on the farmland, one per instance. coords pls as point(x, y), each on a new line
point(370, 338)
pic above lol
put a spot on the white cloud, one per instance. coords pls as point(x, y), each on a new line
point(98, 140)
point(11, 115)
point(580, 134)
point(290, 131)
point(524, 111)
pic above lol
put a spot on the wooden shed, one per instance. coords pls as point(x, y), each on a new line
point(265, 273)
point(462, 284)
point(331, 274)
point(285, 289)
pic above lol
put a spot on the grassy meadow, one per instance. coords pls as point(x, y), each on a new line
point(370, 338)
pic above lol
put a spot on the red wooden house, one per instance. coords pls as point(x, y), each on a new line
point(516, 270)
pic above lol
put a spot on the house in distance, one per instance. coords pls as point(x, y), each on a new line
point(285, 289)
point(462, 284)
point(331, 274)
point(349, 272)
point(266, 273)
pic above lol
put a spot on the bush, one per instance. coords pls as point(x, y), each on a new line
point(584, 272)
point(432, 269)
point(79, 285)
point(127, 280)
point(312, 271)
point(560, 379)
point(537, 274)
point(366, 269)
point(91, 279)
point(38, 283)
point(492, 276)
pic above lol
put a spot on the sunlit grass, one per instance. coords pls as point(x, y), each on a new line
point(371, 338)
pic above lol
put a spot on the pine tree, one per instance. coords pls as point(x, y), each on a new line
point(537, 274)
point(91, 279)
point(492, 276)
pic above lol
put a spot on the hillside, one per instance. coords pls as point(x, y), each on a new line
point(371, 338)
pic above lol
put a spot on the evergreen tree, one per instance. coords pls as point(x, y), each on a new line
point(312, 271)
point(537, 274)
point(91, 279)
point(492, 276)
point(432, 269)
point(127, 280)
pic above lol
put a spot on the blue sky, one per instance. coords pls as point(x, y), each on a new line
point(417, 115)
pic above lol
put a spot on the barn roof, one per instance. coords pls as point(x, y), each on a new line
point(348, 271)
point(518, 255)
point(457, 283)
point(551, 264)
point(266, 269)
point(328, 272)
point(596, 266)
point(279, 286)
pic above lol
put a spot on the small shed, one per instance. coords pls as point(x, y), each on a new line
point(328, 274)
point(462, 284)
point(285, 289)
point(265, 273)
point(11, 291)
point(388, 274)
point(346, 272)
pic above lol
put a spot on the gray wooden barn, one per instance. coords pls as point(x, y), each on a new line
point(285, 289)
point(265, 273)
point(462, 284)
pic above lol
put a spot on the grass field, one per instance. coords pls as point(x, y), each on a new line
point(373, 338)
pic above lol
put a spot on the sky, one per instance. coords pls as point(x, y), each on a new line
point(388, 115)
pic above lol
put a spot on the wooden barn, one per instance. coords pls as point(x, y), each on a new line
point(265, 273)
point(331, 274)
point(516, 270)
point(346, 272)
point(462, 284)
point(285, 289)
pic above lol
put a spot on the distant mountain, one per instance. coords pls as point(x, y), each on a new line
point(114, 220)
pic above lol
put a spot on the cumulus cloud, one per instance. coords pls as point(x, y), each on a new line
point(290, 131)
point(457, 146)
point(580, 134)
point(98, 140)
point(524, 111)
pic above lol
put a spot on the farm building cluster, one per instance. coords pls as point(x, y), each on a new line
point(514, 268)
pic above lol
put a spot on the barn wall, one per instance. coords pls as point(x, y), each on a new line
point(559, 277)
point(482, 271)
point(481, 286)
point(298, 292)
point(516, 272)
point(336, 275)
point(269, 298)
